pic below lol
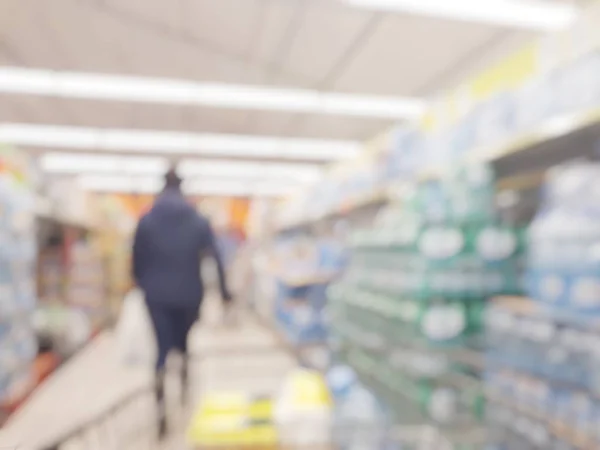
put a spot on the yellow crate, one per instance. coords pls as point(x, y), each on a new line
point(233, 420)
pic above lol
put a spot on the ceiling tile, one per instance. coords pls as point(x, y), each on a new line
point(204, 120)
point(24, 108)
point(227, 24)
point(87, 40)
point(405, 53)
point(277, 19)
point(14, 111)
point(24, 38)
point(335, 127)
point(104, 114)
point(168, 14)
point(328, 31)
point(158, 117)
point(271, 123)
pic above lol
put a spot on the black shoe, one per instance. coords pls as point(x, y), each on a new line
point(161, 407)
point(185, 384)
point(163, 429)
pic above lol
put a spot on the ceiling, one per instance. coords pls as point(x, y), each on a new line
point(319, 44)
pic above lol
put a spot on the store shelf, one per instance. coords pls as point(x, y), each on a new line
point(527, 307)
point(550, 130)
point(308, 354)
point(311, 280)
point(558, 428)
point(466, 434)
point(459, 355)
point(378, 197)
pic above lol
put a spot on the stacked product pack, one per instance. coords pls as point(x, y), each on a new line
point(533, 108)
point(86, 288)
point(360, 418)
point(296, 308)
point(18, 343)
point(50, 276)
point(409, 311)
point(545, 352)
point(304, 267)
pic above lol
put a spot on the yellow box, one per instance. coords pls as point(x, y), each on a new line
point(225, 420)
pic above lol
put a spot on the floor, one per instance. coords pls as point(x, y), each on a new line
point(242, 356)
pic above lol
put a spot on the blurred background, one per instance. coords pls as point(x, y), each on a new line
point(406, 194)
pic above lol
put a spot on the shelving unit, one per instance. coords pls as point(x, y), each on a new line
point(18, 344)
point(375, 308)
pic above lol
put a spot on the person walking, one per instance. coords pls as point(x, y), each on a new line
point(170, 243)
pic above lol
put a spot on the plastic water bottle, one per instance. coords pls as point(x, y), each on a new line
point(359, 421)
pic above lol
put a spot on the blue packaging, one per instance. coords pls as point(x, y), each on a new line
point(340, 380)
point(495, 120)
point(549, 287)
point(403, 158)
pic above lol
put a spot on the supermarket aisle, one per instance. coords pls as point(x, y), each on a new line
point(245, 357)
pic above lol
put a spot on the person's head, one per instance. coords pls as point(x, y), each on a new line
point(172, 179)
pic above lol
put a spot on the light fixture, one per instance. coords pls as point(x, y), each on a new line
point(268, 188)
point(121, 183)
point(179, 92)
point(302, 173)
point(176, 143)
point(527, 14)
point(152, 185)
point(78, 163)
point(88, 163)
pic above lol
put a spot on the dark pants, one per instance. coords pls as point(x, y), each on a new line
point(172, 325)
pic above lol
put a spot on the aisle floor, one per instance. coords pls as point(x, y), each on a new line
point(246, 358)
point(243, 357)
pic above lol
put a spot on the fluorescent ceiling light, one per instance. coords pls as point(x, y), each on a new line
point(152, 185)
point(238, 187)
point(119, 183)
point(168, 91)
point(86, 163)
point(305, 173)
point(74, 163)
point(529, 14)
point(174, 143)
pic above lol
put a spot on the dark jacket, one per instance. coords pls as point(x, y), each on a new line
point(169, 245)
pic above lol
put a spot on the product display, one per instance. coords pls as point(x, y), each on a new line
point(360, 419)
point(410, 316)
point(543, 354)
point(564, 264)
point(18, 344)
point(541, 378)
point(72, 285)
point(304, 267)
point(518, 115)
point(50, 276)
point(86, 285)
point(409, 310)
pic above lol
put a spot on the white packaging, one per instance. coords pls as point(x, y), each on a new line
point(577, 86)
point(302, 416)
point(134, 332)
point(535, 102)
